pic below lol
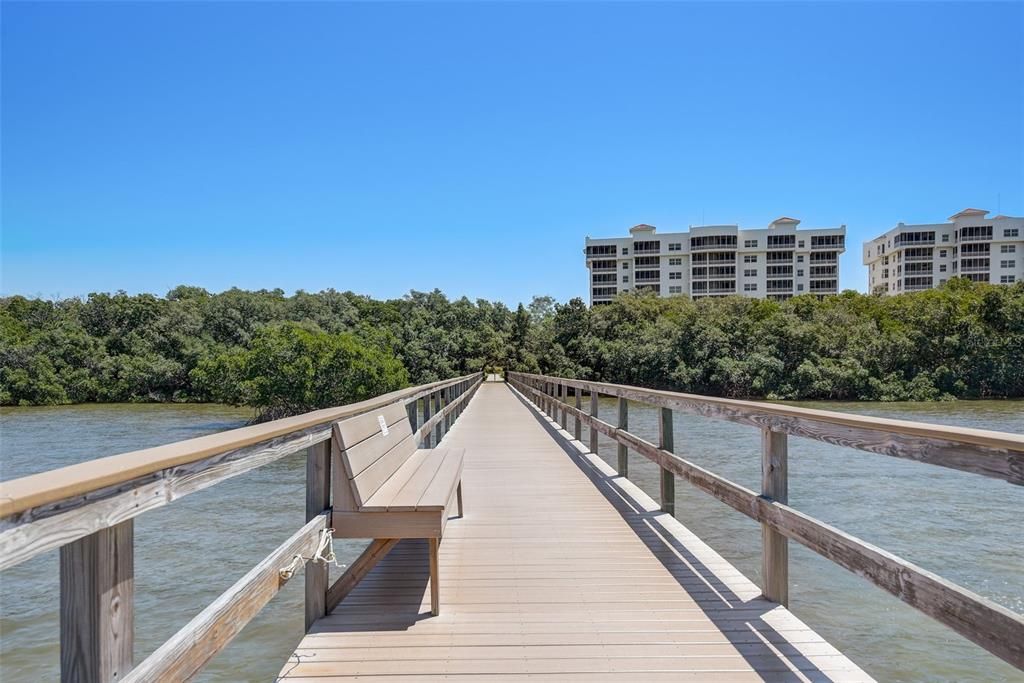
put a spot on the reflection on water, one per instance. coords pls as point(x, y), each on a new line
point(964, 527)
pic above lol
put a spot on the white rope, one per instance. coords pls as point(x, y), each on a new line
point(324, 553)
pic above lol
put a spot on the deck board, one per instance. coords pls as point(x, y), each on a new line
point(559, 571)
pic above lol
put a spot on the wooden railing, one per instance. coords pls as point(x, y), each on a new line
point(993, 454)
point(87, 510)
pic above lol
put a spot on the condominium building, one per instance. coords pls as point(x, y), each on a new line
point(911, 258)
point(776, 262)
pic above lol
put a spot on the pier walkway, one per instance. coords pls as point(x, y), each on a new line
point(560, 570)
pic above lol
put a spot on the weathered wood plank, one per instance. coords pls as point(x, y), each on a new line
point(37, 530)
point(577, 431)
point(187, 651)
point(38, 490)
point(989, 453)
point(97, 594)
point(775, 547)
point(318, 500)
point(668, 480)
point(622, 450)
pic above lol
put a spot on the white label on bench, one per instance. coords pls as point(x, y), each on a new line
point(383, 425)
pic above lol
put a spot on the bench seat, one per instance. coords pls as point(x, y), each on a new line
point(424, 482)
point(385, 488)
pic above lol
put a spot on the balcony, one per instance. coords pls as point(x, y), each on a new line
point(646, 252)
point(975, 269)
point(827, 247)
point(910, 259)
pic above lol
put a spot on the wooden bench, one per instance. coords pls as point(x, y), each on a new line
point(387, 488)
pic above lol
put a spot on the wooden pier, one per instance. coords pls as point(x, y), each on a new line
point(560, 568)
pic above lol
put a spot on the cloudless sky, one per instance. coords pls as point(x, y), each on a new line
point(383, 147)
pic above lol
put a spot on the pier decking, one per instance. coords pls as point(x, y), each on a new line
point(560, 570)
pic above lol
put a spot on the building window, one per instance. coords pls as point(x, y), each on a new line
point(945, 238)
point(750, 287)
point(800, 244)
point(750, 244)
point(625, 279)
point(942, 268)
point(625, 251)
point(675, 246)
point(977, 232)
point(942, 253)
point(675, 289)
point(781, 241)
point(675, 261)
point(1007, 279)
point(799, 273)
point(751, 272)
point(799, 259)
point(625, 266)
point(750, 258)
point(647, 247)
point(800, 287)
point(675, 276)
point(1007, 264)
point(1011, 232)
point(1008, 249)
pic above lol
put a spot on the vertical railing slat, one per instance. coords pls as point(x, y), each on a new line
point(775, 546)
point(623, 424)
point(577, 431)
point(97, 595)
point(426, 417)
point(594, 402)
point(318, 499)
point(668, 479)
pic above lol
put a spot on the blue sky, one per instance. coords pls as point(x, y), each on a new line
point(382, 147)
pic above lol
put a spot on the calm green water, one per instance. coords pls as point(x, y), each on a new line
point(967, 528)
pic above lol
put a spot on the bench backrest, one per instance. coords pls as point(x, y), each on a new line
point(364, 456)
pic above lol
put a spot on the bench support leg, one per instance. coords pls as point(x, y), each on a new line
point(435, 579)
point(458, 498)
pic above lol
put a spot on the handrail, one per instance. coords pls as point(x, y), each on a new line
point(981, 451)
point(19, 495)
point(996, 454)
point(88, 510)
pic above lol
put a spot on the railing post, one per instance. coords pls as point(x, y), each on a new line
point(318, 499)
point(446, 394)
point(622, 450)
point(578, 430)
point(775, 546)
point(438, 433)
point(97, 595)
point(563, 401)
point(594, 400)
point(426, 417)
point(668, 479)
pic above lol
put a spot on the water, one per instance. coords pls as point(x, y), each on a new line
point(964, 527)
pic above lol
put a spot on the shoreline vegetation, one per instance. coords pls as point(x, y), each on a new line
point(283, 355)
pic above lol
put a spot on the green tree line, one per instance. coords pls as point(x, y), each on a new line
point(289, 354)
